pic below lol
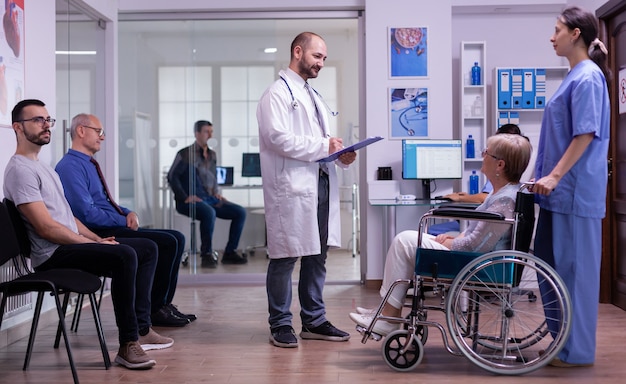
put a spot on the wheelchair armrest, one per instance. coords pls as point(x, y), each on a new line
point(464, 213)
point(469, 206)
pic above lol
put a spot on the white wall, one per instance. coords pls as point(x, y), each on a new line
point(437, 17)
point(40, 67)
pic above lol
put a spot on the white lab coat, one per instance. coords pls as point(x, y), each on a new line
point(290, 145)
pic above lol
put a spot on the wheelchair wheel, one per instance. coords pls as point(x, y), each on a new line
point(393, 347)
point(497, 328)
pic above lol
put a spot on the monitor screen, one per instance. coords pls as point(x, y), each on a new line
point(225, 175)
point(251, 165)
point(432, 159)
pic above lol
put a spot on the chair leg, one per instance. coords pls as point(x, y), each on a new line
point(61, 313)
point(77, 311)
point(95, 309)
point(79, 307)
point(57, 339)
point(33, 329)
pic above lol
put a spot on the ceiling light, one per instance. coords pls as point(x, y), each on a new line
point(270, 50)
point(75, 52)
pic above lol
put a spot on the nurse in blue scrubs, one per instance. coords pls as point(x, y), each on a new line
point(571, 177)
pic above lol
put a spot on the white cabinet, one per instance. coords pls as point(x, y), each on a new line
point(520, 95)
point(473, 115)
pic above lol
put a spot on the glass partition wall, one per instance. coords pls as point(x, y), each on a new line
point(173, 73)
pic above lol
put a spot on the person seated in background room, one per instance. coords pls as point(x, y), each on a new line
point(193, 180)
point(60, 240)
point(504, 161)
point(88, 196)
point(464, 197)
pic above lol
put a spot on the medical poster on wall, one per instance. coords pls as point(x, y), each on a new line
point(11, 59)
point(408, 111)
point(408, 53)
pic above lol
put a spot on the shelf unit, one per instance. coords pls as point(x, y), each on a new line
point(528, 119)
point(474, 124)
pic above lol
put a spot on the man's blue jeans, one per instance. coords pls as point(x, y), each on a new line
point(312, 277)
point(207, 213)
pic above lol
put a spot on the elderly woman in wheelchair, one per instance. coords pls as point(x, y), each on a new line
point(485, 288)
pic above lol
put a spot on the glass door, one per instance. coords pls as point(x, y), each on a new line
point(77, 56)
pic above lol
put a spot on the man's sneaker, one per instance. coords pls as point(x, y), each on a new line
point(132, 356)
point(326, 331)
point(233, 258)
point(164, 317)
point(153, 340)
point(284, 336)
point(174, 309)
point(381, 327)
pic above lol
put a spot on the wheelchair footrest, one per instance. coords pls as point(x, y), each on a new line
point(374, 336)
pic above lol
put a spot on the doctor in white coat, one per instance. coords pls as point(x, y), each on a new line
point(301, 195)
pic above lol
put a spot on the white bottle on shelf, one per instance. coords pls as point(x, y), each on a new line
point(477, 107)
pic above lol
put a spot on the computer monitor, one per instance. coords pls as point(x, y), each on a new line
point(225, 175)
point(251, 165)
point(431, 160)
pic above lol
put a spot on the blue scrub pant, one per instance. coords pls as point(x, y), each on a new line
point(312, 276)
point(572, 245)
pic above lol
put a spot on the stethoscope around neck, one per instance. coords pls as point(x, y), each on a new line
point(294, 103)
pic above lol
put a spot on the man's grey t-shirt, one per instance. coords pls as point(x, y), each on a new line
point(28, 181)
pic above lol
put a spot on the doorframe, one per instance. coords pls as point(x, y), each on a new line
point(608, 270)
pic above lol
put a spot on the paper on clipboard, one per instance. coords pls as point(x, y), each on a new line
point(352, 148)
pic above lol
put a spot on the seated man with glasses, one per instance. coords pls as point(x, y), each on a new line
point(88, 194)
point(60, 240)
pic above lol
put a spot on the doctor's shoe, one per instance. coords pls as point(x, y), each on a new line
point(283, 336)
point(326, 331)
point(381, 327)
point(233, 257)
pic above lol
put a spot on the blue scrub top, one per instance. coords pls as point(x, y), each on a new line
point(580, 105)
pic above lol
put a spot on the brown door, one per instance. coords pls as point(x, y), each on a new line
point(613, 290)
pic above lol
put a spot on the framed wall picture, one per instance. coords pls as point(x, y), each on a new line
point(408, 113)
point(11, 59)
point(408, 52)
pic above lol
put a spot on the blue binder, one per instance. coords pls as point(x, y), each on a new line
point(540, 88)
point(516, 88)
point(514, 118)
point(503, 118)
point(528, 92)
point(504, 89)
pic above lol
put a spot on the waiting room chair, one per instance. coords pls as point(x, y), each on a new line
point(61, 281)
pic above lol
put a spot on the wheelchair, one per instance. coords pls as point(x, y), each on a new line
point(492, 313)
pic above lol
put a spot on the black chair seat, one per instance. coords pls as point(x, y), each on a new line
point(65, 280)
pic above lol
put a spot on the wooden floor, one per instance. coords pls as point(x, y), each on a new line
point(229, 344)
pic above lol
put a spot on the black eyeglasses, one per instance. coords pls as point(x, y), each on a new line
point(40, 120)
point(99, 131)
point(485, 153)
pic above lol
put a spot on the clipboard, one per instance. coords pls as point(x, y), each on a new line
point(352, 148)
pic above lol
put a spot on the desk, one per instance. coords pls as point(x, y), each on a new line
point(389, 214)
